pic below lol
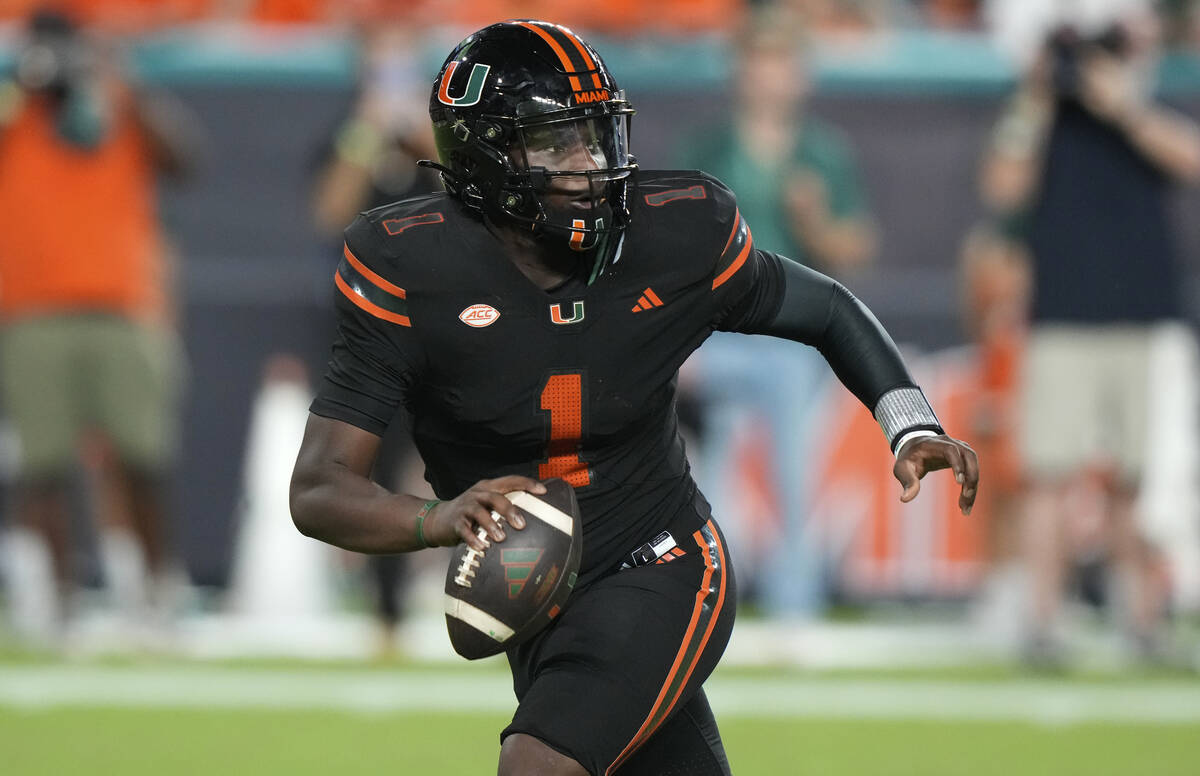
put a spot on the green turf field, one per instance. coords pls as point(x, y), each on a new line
point(293, 719)
point(134, 742)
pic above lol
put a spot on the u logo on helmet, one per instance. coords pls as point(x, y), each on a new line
point(474, 90)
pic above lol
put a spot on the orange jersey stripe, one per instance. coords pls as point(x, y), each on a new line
point(645, 731)
point(737, 263)
point(587, 60)
point(653, 297)
point(391, 288)
point(367, 306)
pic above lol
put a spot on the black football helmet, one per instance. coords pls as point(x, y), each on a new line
point(531, 128)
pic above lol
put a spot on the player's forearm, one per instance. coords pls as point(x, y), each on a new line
point(867, 361)
point(817, 310)
point(820, 312)
point(173, 133)
point(333, 504)
point(1169, 141)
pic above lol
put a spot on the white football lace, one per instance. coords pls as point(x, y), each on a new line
point(470, 561)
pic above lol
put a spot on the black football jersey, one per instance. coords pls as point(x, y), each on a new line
point(501, 377)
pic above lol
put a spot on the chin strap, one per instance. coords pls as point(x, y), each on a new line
point(605, 250)
point(447, 173)
point(605, 256)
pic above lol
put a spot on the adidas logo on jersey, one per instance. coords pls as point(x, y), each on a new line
point(648, 300)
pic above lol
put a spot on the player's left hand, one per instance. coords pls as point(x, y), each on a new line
point(930, 453)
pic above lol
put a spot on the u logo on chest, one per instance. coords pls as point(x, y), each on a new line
point(558, 316)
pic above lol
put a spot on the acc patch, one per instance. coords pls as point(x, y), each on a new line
point(479, 315)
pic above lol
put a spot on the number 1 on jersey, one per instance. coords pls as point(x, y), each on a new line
point(562, 397)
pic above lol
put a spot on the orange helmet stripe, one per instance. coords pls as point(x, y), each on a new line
point(562, 54)
point(587, 59)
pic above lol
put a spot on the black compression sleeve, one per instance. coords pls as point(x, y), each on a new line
point(819, 311)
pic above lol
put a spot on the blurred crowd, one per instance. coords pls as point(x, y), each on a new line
point(625, 17)
point(1081, 366)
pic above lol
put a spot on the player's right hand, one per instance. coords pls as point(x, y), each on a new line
point(922, 455)
point(457, 520)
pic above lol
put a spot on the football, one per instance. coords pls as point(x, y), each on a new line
point(503, 595)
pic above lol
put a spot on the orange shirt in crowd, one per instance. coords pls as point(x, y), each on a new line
point(625, 16)
point(78, 227)
point(613, 16)
point(131, 16)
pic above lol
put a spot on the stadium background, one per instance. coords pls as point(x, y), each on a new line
point(901, 690)
point(255, 275)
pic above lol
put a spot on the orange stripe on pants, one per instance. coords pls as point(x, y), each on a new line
point(664, 704)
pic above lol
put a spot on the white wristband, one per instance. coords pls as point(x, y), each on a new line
point(904, 438)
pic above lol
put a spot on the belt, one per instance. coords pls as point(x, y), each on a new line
point(650, 551)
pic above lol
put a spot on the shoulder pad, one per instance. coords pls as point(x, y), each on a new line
point(386, 252)
point(708, 205)
point(404, 218)
point(660, 188)
point(368, 274)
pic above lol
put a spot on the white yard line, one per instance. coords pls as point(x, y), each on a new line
point(438, 689)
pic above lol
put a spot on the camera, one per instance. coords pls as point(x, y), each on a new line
point(55, 57)
point(1068, 48)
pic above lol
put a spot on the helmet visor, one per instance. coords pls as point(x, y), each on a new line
point(576, 145)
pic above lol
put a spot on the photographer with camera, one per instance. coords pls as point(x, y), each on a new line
point(89, 359)
point(1086, 160)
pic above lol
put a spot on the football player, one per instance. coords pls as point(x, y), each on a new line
point(531, 320)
